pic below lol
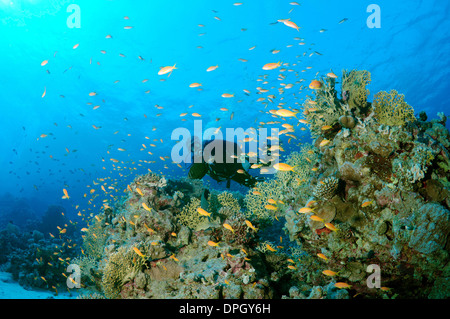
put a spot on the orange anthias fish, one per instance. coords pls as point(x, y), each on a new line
point(283, 167)
point(305, 210)
point(146, 207)
point(342, 285)
point(213, 244)
point(249, 224)
point(66, 195)
point(137, 251)
point(203, 212)
point(329, 273)
point(271, 66)
point(367, 203)
point(322, 256)
point(167, 69)
point(228, 226)
point(316, 218)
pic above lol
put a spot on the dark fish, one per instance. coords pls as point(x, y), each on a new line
point(343, 20)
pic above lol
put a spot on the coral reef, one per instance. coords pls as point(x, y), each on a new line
point(372, 189)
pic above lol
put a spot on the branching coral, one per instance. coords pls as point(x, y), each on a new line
point(189, 215)
point(94, 239)
point(256, 201)
point(120, 267)
point(226, 199)
point(324, 110)
point(391, 108)
point(354, 89)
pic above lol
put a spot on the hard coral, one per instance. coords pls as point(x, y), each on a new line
point(189, 215)
point(354, 89)
point(391, 108)
point(327, 188)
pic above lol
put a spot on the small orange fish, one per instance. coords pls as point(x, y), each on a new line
point(270, 207)
point(203, 212)
point(329, 273)
point(305, 210)
point(249, 224)
point(367, 203)
point(212, 68)
point(66, 195)
point(146, 207)
point(213, 244)
point(270, 248)
point(283, 167)
point(316, 218)
point(322, 256)
point(137, 251)
point(139, 191)
point(166, 69)
point(227, 95)
point(331, 227)
point(292, 267)
point(342, 285)
point(271, 66)
point(324, 142)
point(228, 226)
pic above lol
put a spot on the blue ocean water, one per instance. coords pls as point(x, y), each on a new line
point(409, 53)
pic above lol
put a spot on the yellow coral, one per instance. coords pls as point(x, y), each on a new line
point(226, 199)
point(94, 239)
point(255, 203)
point(189, 215)
point(325, 110)
point(120, 267)
point(355, 82)
point(391, 108)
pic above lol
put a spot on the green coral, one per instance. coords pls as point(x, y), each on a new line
point(391, 108)
point(189, 215)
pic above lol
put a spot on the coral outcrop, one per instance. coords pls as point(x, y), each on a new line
point(371, 190)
